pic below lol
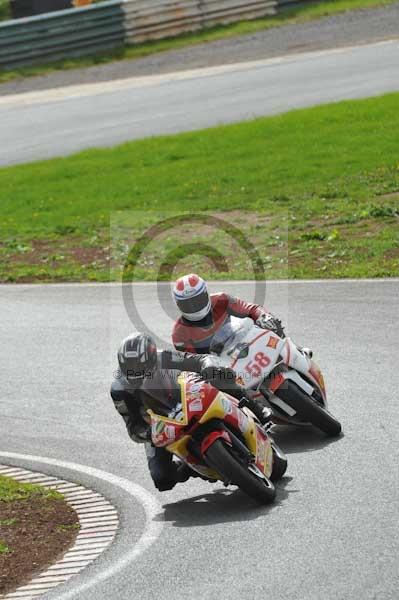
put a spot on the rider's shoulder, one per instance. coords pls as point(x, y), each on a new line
point(219, 297)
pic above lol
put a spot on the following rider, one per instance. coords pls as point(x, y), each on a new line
point(203, 314)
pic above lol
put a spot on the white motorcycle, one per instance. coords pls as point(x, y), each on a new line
point(276, 373)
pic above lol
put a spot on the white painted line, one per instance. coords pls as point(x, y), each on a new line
point(66, 571)
point(82, 558)
point(95, 510)
point(78, 561)
point(86, 501)
point(93, 89)
point(91, 546)
point(97, 506)
point(61, 568)
point(104, 529)
point(34, 478)
point(93, 535)
point(61, 487)
point(102, 520)
point(14, 472)
point(101, 527)
point(24, 594)
point(87, 542)
point(78, 495)
point(83, 552)
point(55, 579)
point(6, 470)
point(150, 504)
point(81, 501)
point(37, 586)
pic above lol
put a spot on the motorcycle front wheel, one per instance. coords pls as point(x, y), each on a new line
point(279, 463)
point(308, 409)
point(233, 471)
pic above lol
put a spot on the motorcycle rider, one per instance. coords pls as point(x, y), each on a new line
point(203, 314)
point(147, 379)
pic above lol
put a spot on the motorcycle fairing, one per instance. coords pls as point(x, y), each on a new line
point(266, 343)
point(302, 364)
point(276, 351)
point(194, 397)
point(172, 433)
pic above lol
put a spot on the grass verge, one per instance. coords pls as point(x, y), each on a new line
point(11, 490)
point(316, 191)
point(289, 15)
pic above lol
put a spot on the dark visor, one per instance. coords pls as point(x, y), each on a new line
point(193, 305)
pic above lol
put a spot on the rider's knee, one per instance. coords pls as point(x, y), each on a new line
point(162, 469)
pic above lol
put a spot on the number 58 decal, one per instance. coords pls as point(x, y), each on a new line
point(254, 367)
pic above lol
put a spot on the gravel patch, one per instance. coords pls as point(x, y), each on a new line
point(345, 29)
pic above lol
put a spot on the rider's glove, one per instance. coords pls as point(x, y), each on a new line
point(139, 433)
point(218, 375)
point(267, 321)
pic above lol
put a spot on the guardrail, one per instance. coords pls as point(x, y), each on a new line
point(108, 25)
point(155, 19)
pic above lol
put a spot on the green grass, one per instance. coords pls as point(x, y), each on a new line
point(4, 549)
point(12, 490)
point(316, 191)
point(290, 15)
point(8, 522)
point(68, 527)
point(5, 12)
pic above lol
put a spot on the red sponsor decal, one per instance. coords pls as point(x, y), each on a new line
point(276, 382)
point(272, 342)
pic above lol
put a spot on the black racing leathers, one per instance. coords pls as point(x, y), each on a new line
point(160, 392)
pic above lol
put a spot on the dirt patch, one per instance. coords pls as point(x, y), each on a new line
point(56, 252)
point(390, 196)
point(34, 534)
point(392, 254)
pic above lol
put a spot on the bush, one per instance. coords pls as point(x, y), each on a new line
point(5, 12)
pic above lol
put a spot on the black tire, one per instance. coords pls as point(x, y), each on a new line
point(279, 463)
point(308, 409)
point(219, 457)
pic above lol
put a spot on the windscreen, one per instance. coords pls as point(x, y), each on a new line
point(232, 332)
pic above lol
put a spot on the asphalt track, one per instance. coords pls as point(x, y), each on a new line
point(333, 532)
point(44, 124)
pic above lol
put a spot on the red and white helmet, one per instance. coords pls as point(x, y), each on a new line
point(191, 296)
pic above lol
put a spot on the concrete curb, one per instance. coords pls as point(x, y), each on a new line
point(99, 523)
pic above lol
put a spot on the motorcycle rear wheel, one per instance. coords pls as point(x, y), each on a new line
point(227, 465)
point(308, 409)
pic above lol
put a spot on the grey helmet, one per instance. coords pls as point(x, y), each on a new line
point(137, 356)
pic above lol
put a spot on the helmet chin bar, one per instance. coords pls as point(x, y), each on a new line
point(199, 315)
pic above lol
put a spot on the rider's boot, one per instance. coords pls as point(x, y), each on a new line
point(267, 415)
point(183, 473)
point(261, 412)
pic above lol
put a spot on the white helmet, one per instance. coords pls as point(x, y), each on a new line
point(192, 298)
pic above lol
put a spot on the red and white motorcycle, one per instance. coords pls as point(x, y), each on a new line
point(277, 373)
